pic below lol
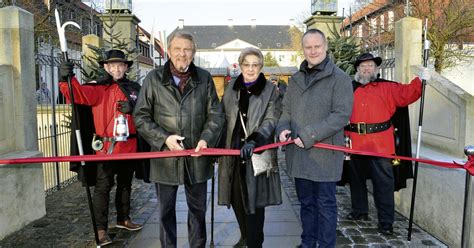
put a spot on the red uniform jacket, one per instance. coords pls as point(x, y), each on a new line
point(103, 99)
point(376, 102)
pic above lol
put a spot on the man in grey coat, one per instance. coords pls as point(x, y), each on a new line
point(316, 107)
point(178, 109)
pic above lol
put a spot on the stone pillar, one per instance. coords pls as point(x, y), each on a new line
point(408, 47)
point(22, 195)
point(123, 24)
point(324, 23)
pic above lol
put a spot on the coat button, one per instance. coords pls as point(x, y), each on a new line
point(242, 139)
point(244, 114)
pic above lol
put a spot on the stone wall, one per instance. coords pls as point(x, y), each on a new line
point(22, 195)
point(448, 124)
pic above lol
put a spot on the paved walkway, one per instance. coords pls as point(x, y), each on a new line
point(67, 223)
point(282, 228)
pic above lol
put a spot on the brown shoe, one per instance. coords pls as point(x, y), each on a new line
point(129, 225)
point(104, 238)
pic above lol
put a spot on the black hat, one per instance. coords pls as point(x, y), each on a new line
point(115, 56)
point(367, 56)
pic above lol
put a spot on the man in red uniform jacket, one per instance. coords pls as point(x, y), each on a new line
point(371, 129)
point(110, 97)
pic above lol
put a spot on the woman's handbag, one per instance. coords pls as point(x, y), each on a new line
point(261, 163)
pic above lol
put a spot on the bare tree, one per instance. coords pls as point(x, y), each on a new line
point(295, 36)
point(43, 14)
point(296, 33)
point(451, 25)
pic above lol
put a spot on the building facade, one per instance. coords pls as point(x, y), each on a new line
point(374, 25)
point(219, 46)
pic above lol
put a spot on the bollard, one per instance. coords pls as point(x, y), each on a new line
point(467, 213)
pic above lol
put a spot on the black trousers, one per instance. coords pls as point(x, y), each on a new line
point(250, 225)
point(196, 198)
point(381, 172)
point(104, 182)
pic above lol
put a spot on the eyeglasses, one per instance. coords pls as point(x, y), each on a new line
point(247, 66)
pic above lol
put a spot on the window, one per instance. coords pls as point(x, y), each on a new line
point(373, 26)
point(278, 44)
point(213, 44)
point(382, 24)
point(360, 31)
point(259, 44)
point(281, 58)
point(390, 20)
point(85, 27)
point(72, 15)
point(97, 29)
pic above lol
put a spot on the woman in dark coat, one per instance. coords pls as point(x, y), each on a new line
point(254, 101)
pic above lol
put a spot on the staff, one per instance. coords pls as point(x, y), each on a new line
point(75, 117)
point(426, 51)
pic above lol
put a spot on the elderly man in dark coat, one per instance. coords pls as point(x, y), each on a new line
point(316, 107)
point(178, 109)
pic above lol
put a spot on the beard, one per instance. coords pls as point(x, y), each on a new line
point(365, 79)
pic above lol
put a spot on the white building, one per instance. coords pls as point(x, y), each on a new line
point(220, 45)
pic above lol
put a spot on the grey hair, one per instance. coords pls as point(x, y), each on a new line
point(183, 35)
point(250, 51)
point(313, 31)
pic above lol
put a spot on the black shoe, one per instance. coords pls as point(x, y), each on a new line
point(386, 229)
point(353, 216)
point(242, 243)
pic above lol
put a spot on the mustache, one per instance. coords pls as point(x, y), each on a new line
point(365, 79)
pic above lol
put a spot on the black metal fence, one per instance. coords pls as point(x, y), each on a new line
point(53, 117)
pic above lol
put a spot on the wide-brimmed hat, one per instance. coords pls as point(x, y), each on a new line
point(115, 55)
point(367, 56)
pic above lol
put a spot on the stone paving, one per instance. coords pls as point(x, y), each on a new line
point(67, 223)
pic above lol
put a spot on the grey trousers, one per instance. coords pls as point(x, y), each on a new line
point(196, 198)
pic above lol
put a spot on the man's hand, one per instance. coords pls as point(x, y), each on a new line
point(201, 144)
point(174, 142)
point(299, 143)
point(65, 70)
point(425, 74)
point(285, 135)
point(124, 106)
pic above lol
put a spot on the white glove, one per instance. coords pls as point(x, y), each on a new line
point(425, 74)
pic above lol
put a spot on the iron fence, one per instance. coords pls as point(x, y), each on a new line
point(53, 118)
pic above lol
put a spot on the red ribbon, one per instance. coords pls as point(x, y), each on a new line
point(468, 166)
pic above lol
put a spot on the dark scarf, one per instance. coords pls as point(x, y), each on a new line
point(183, 77)
point(245, 94)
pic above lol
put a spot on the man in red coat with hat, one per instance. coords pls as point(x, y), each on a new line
point(110, 97)
point(375, 102)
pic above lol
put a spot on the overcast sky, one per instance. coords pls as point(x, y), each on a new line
point(165, 13)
